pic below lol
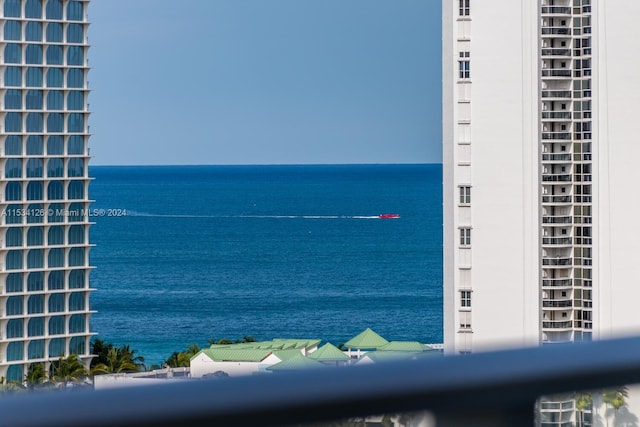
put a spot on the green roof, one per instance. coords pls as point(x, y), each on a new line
point(295, 363)
point(383, 356)
point(236, 354)
point(404, 346)
point(366, 339)
point(328, 352)
point(286, 354)
point(276, 344)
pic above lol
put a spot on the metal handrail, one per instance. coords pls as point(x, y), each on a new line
point(493, 388)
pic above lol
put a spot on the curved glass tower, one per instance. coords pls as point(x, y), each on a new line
point(44, 224)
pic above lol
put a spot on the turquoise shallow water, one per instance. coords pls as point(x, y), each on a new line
point(267, 251)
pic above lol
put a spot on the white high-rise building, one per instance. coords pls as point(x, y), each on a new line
point(44, 226)
point(541, 112)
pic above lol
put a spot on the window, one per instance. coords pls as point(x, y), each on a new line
point(74, 11)
point(13, 99)
point(35, 281)
point(54, 32)
point(34, 100)
point(465, 298)
point(13, 76)
point(464, 65)
point(13, 145)
point(54, 10)
point(465, 236)
point(12, 8)
point(12, 30)
point(14, 282)
point(463, 9)
point(465, 195)
point(74, 33)
point(54, 77)
point(465, 320)
point(33, 32)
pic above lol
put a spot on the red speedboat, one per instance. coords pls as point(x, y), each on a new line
point(388, 216)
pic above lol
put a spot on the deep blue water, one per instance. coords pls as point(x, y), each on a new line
point(266, 251)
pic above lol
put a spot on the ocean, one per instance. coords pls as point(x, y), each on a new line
point(266, 251)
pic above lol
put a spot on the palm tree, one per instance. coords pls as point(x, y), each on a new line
point(616, 398)
point(117, 362)
point(68, 369)
point(36, 376)
point(178, 359)
point(100, 349)
point(583, 401)
point(192, 350)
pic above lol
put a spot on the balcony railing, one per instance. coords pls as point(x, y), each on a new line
point(557, 304)
point(556, 178)
point(556, 135)
point(550, 31)
point(556, 115)
point(556, 52)
point(557, 282)
point(556, 10)
point(565, 157)
point(557, 219)
point(557, 261)
point(556, 94)
point(565, 324)
point(556, 199)
point(483, 389)
point(556, 73)
point(556, 240)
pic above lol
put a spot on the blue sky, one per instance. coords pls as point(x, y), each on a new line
point(265, 81)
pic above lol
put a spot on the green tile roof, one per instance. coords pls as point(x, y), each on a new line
point(383, 356)
point(236, 354)
point(366, 339)
point(286, 354)
point(328, 352)
point(404, 346)
point(295, 363)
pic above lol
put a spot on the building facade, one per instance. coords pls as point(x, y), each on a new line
point(44, 229)
point(539, 112)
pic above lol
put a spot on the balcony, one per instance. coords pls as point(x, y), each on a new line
point(563, 282)
point(557, 219)
point(553, 241)
point(556, 199)
point(556, 157)
point(557, 261)
point(557, 304)
point(556, 10)
point(556, 31)
point(556, 94)
point(563, 324)
point(556, 135)
point(556, 177)
point(551, 51)
point(566, 115)
point(558, 72)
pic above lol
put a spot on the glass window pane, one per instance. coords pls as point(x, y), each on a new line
point(12, 54)
point(13, 191)
point(76, 301)
point(35, 281)
point(54, 77)
point(54, 145)
point(14, 237)
point(13, 99)
point(34, 100)
point(75, 145)
point(35, 236)
point(13, 145)
point(76, 191)
point(53, 213)
point(75, 122)
point(74, 33)
point(54, 32)
point(75, 78)
point(13, 76)
point(76, 257)
point(34, 170)
point(35, 304)
point(13, 122)
point(56, 347)
point(13, 168)
point(54, 9)
point(76, 279)
point(75, 168)
point(33, 54)
point(54, 55)
point(54, 122)
point(56, 258)
point(75, 55)
point(56, 235)
point(56, 281)
point(33, 9)
point(33, 32)
point(54, 100)
point(55, 169)
point(14, 306)
point(12, 30)
point(75, 100)
point(34, 77)
point(74, 11)
point(12, 8)
point(34, 145)
point(34, 122)
point(14, 282)
point(35, 259)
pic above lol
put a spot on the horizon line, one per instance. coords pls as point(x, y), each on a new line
point(267, 164)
